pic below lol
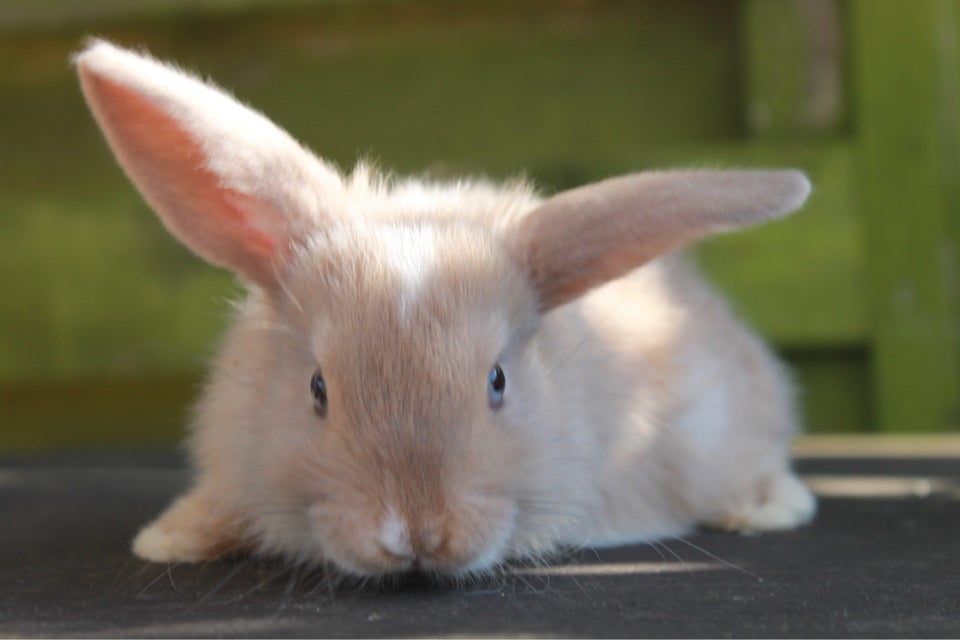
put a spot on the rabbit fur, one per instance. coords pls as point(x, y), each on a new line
point(635, 405)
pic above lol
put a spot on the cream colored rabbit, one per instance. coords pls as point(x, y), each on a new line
point(441, 377)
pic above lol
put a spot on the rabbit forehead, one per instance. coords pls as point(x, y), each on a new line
point(410, 252)
point(410, 279)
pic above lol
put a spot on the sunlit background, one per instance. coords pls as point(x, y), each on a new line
point(106, 322)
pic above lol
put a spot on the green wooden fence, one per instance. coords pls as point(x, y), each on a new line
point(106, 322)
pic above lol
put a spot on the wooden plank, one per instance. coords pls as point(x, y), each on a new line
point(33, 14)
point(878, 446)
point(96, 413)
point(905, 70)
point(792, 67)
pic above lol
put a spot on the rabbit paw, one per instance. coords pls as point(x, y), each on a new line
point(189, 531)
point(787, 503)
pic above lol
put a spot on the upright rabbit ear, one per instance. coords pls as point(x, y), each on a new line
point(585, 237)
point(226, 181)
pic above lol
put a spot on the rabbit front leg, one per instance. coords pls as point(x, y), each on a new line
point(192, 529)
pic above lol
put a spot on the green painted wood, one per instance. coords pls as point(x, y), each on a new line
point(52, 14)
point(105, 303)
point(905, 59)
point(792, 67)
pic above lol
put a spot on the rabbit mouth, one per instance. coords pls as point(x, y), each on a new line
point(475, 544)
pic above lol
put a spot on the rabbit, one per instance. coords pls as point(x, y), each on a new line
point(445, 377)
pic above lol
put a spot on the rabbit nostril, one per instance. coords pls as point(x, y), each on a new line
point(431, 542)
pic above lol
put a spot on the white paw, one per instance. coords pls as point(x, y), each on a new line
point(155, 544)
point(789, 504)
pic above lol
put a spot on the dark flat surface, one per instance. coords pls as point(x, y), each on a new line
point(880, 561)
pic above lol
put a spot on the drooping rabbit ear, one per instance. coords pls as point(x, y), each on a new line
point(585, 237)
point(232, 186)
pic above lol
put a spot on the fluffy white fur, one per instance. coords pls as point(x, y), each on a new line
point(636, 405)
point(409, 253)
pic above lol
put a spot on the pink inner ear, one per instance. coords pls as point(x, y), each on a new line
point(170, 167)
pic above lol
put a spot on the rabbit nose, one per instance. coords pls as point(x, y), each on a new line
point(401, 541)
point(394, 537)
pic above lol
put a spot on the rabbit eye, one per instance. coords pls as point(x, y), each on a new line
point(318, 388)
point(496, 383)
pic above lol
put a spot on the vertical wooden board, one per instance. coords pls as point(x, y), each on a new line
point(907, 127)
point(774, 47)
point(949, 39)
point(792, 66)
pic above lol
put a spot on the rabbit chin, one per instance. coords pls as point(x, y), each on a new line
point(475, 547)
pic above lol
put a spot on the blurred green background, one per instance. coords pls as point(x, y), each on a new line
point(106, 322)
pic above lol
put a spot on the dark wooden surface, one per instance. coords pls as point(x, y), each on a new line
point(882, 560)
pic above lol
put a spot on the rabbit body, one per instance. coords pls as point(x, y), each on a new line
point(635, 404)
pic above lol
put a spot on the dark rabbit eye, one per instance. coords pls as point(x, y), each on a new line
point(496, 383)
point(319, 390)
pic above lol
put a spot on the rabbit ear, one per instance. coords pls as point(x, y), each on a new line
point(585, 237)
point(232, 186)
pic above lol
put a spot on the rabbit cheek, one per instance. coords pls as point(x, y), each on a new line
point(477, 536)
